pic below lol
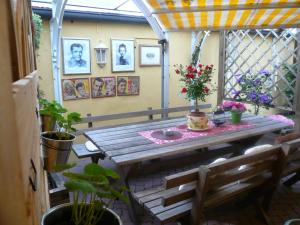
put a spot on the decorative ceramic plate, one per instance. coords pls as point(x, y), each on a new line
point(159, 134)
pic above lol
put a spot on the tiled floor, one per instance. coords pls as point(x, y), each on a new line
point(285, 205)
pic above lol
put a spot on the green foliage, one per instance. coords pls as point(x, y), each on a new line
point(58, 113)
point(38, 28)
point(290, 71)
point(92, 192)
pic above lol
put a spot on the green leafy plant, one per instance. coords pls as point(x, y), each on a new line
point(290, 71)
point(254, 87)
point(59, 115)
point(92, 192)
point(38, 28)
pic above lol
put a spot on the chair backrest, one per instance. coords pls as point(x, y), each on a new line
point(219, 182)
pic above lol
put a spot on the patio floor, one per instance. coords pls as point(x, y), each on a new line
point(285, 205)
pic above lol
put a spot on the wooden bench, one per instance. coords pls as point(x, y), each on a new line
point(82, 152)
point(293, 161)
point(206, 187)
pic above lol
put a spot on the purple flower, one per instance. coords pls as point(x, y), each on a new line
point(265, 99)
point(256, 82)
point(252, 95)
point(265, 72)
point(240, 80)
point(236, 94)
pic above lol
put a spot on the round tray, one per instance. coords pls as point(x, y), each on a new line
point(160, 135)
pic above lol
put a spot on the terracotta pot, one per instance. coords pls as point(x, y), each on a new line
point(61, 215)
point(197, 120)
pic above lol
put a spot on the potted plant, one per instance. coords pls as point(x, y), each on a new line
point(57, 144)
point(236, 109)
point(92, 193)
point(255, 89)
point(49, 112)
point(197, 86)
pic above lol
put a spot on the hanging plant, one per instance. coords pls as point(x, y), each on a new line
point(38, 27)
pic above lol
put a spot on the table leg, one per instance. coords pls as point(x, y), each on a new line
point(95, 158)
point(125, 172)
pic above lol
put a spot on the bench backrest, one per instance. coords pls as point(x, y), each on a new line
point(217, 183)
point(293, 157)
point(148, 113)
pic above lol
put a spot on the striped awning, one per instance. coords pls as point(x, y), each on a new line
point(175, 15)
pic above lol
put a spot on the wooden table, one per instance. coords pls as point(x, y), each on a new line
point(126, 148)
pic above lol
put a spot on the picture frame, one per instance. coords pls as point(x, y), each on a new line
point(75, 88)
point(150, 55)
point(76, 56)
point(122, 55)
point(102, 87)
point(128, 85)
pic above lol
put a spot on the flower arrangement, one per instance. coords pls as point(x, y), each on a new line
point(254, 88)
point(234, 106)
point(197, 81)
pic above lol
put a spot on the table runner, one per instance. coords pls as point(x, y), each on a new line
point(187, 134)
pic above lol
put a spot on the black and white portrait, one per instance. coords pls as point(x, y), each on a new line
point(122, 55)
point(76, 56)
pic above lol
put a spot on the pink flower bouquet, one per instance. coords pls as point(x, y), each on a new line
point(234, 106)
point(236, 109)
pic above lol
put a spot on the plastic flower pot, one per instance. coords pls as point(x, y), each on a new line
point(236, 117)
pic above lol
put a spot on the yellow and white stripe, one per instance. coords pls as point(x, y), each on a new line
point(225, 14)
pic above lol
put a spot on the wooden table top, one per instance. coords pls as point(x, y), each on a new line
point(124, 146)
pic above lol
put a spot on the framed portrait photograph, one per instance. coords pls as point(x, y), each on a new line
point(73, 89)
point(122, 55)
point(150, 55)
point(76, 56)
point(103, 87)
point(128, 85)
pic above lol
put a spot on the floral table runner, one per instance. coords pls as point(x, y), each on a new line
point(188, 134)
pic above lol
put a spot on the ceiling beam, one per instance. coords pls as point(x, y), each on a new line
point(151, 20)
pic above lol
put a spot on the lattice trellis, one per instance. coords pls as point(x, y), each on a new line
point(256, 50)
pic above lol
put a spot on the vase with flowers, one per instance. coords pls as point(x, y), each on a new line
point(197, 85)
point(236, 109)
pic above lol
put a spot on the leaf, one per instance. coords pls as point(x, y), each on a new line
point(80, 185)
point(62, 167)
point(94, 169)
point(111, 173)
point(107, 195)
point(120, 196)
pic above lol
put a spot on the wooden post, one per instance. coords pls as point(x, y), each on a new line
point(151, 115)
point(221, 68)
point(297, 88)
point(90, 124)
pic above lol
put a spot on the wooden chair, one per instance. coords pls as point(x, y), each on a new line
point(197, 190)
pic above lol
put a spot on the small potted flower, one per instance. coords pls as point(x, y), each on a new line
point(197, 85)
point(236, 109)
